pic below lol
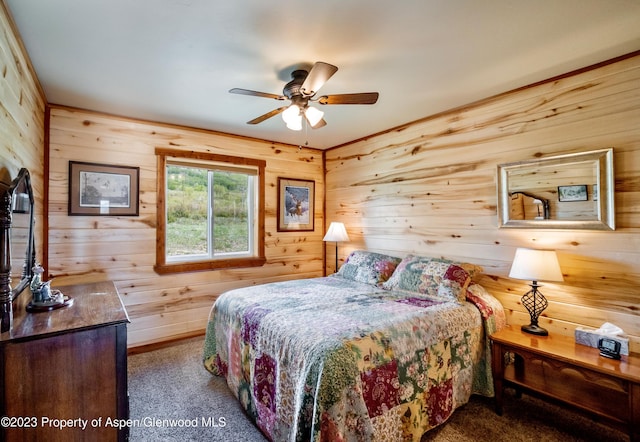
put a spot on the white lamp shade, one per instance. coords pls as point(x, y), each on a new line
point(291, 113)
point(295, 124)
point(292, 117)
point(336, 232)
point(536, 265)
point(313, 115)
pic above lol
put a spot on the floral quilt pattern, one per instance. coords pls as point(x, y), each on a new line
point(332, 359)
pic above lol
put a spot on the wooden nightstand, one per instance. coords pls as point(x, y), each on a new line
point(66, 365)
point(557, 368)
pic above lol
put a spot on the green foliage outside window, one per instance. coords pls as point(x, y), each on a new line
point(188, 207)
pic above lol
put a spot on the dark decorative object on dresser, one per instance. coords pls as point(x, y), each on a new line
point(17, 251)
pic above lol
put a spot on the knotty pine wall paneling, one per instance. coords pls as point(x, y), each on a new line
point(122, 249)
point(429, 188)
point(22, 122)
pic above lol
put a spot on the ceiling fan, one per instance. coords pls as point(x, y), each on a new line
point(301, 91)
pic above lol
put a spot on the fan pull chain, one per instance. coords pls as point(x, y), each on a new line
point(306, 135)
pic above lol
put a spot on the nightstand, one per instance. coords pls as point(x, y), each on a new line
point(555, 367)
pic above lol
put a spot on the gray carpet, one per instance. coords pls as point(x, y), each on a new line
point(172, 384)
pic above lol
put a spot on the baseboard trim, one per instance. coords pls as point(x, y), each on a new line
point(173, 340)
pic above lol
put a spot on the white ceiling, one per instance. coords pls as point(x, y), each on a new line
point(174, 61)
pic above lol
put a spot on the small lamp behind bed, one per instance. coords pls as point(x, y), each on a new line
point(336, 233)
point(535, 265)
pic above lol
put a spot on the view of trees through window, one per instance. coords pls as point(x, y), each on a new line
point(188, 226)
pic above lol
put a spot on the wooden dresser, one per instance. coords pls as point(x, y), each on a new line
point(558, 368)
point(66, 368)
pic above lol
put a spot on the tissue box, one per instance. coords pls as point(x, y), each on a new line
point(589, 336)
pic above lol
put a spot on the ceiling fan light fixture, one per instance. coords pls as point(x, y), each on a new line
point(291, 114)
point(313, 115)
point(292, 117)
point(295, 124)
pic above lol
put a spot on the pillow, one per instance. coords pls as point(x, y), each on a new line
point(473, 270)
point(431, 276)
point(368, 267)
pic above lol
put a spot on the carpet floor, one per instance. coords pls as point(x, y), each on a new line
point(173, 398)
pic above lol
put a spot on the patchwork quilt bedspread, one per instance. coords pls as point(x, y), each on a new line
point(331, 359)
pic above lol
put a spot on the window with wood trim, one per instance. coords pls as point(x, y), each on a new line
point(210, 211)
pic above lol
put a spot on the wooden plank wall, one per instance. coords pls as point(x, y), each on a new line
point(123, 249)
point(22, 105)
point(430, 188)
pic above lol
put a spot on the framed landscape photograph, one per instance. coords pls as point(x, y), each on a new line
point(296, 200)
point(100, 189)
point(572, 193)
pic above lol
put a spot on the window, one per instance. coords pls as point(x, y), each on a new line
point(210, 211)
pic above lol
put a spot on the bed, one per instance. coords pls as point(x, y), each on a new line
point(385, 349)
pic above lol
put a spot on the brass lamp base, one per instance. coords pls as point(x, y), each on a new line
point(534, 330)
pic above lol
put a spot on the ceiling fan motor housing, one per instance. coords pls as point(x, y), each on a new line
point(292, 90)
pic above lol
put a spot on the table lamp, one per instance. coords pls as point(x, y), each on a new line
point(535, 265)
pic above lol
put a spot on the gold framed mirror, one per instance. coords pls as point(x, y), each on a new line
point(572, 191)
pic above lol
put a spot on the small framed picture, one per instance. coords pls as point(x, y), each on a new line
point(572, 193)
point(100, 189)
point(296, 201)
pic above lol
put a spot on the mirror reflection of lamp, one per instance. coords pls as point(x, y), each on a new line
point(538, 203)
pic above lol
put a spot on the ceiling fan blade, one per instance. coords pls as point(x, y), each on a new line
point(268, 115)
point(240, 91)
point(361, 98)
point(318, 75)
